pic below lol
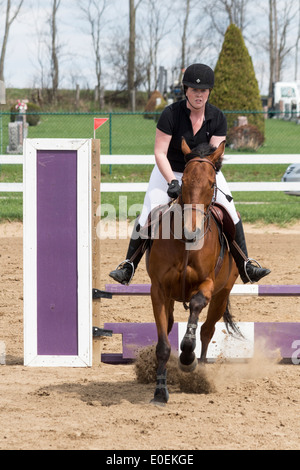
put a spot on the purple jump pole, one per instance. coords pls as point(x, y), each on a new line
point(279, 290)
point(267, 338)
point(283, 337)
point(257, 290)
point(133, 289)
point(136, 336)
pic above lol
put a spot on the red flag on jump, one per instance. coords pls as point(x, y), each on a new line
point(98, 122)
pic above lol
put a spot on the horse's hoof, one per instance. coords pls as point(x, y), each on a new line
point(158, 402)
point(161, 397)
point(188, 367)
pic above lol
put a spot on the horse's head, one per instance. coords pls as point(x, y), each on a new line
point(199, 182)
point(204, 150)
point(199, 175)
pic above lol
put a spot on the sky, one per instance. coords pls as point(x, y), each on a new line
point(21, 56)
point(21, 70)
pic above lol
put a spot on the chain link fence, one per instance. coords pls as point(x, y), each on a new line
point(133, 133)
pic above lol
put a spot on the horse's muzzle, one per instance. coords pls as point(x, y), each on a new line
point(192, 235)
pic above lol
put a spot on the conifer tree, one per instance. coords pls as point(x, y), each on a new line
point(236, 87)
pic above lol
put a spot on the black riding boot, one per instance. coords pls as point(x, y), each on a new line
point(137, 246)
point(247, 270)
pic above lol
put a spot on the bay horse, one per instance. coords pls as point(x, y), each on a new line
point(190, 275)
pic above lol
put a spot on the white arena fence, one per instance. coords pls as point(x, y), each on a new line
point(241, 159)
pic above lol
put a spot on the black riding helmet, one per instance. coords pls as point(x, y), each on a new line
point(198, 76)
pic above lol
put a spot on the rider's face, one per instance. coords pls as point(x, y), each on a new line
point(197, 97)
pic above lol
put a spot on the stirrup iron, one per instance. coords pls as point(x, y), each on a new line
point(245, 268)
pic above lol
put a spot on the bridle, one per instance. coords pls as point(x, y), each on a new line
point(200, 160)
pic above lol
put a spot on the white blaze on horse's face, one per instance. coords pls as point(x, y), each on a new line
point(197, 194)
point(193, 226)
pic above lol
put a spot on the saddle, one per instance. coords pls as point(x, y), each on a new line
point(221, 216)
point(224, 220)
point(226, 228)
point(154, 218)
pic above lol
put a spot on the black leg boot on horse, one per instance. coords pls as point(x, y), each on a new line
point(248, 271)
point(137, 246)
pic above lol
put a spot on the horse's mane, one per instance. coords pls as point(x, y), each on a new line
point(203, 151)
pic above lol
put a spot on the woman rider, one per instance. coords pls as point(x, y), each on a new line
point(195, 119)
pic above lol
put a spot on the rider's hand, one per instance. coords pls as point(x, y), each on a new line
point(174, 189)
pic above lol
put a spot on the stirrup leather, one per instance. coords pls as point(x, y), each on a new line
point(245, 268)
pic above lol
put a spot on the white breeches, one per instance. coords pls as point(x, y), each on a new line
point(157, 194)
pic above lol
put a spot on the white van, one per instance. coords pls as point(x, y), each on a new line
point(286, 98)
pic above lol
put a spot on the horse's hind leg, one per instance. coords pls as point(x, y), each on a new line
point(187, 359)
point(216, 310)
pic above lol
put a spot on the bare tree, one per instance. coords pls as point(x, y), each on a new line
point(131, 53)
point(236, 10)
point(93, 12)
point(297, 43)
point(154, 30)
point(118, 58)
point(226, 12)
point(9, 19)
point(54, 50)
point(183, 64)
point(271, 47)
point(42, 78)
point(280, 21)
point(187, 32)
point(222, 13)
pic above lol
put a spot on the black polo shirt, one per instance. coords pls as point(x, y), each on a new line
point(175, 121)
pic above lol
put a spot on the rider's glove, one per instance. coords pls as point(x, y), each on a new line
point(174, 189)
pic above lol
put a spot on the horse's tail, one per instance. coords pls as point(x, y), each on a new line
point(229, 323)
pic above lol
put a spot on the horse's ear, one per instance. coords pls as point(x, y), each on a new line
point(184, 147)
point(218, 152)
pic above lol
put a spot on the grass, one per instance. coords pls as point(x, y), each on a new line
point(124, 133)
point(281, 137)
point(127, 133)
point(268, 208)
point(255, 207)
point(263, 207)
point(11, 207)
point(11, 204)
point(133, 134)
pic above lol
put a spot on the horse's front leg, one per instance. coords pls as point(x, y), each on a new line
point(187, 359)
point(163, 313)
point(217, 308)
